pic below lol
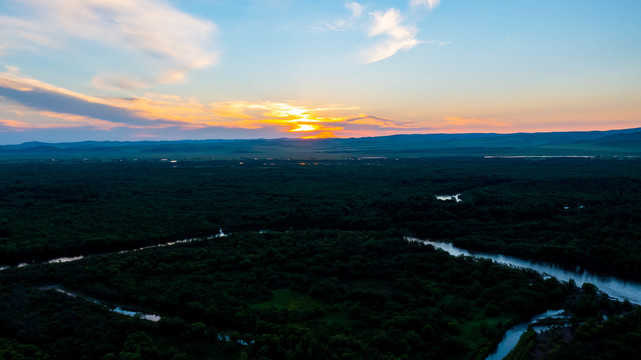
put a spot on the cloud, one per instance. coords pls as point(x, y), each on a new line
point(430, 4)
point(30, 98)
point(393, 32)
point(357, 9)
point(389, 23)
point(47, 101)
point(231, 109)
point(52, 101)
point(176, 41)
point(290, 117)
point(378, 126)
point(344, 24)
point(398, 36)
point(375, 121)
point(30, 105)
point(115, 81)
point(20, 34)
point(387, 49)
point(13, 125)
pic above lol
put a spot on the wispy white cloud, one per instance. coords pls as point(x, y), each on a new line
point(397, 31)
point(357, 9)
point(429, 4)
point(387, 49)
point(344, 23)
point(390, 23)
point(392, 30)
point(18, 34)
point(398, 35)
point(177, 42)
point(119, 81)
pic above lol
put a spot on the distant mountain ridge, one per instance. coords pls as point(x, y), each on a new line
point(626, 142)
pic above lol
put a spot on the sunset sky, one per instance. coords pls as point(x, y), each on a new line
point(75, 70)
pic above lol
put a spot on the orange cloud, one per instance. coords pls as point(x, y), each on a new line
point(322, 135)
point(58, 107)
point(364, 119)
point(21, 125)
point(230, 109)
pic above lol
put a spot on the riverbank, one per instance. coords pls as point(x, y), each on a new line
point(66, 259)
point(617, 288)
point(353, 292)
point(589, 306)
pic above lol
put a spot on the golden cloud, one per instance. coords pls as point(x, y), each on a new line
point(65, 108)
point(322, 135)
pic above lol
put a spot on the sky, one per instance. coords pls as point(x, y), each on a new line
point(130, 70)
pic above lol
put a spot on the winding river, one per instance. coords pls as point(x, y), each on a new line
point(512, 336)
point(116, 309)
point(616, 288)
point(75, 258)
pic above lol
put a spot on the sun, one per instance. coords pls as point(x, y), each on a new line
point(304, 127)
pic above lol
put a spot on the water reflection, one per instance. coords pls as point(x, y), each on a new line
point(512, 336)
point(456, 197)
point(615, 288)
point(150, 317)
point(117, 309)
point(75, 258)
point(64, 259)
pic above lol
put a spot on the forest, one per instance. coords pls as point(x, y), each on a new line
point(315, 265)
point(316, 294)
point(568, 211)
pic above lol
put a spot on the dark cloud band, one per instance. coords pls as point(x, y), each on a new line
point(45, 100)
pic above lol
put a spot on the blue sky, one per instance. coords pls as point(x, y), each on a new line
point(73, 70)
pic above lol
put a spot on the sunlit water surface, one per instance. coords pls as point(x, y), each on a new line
point(616, 288)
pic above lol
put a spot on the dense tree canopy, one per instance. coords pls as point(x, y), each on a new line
point(319, 294)
point(570, 211)
point(316, 266)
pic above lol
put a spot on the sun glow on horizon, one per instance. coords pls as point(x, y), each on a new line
point(322, 135)
point(304, 127)
point(163, 116)
point(351, 69)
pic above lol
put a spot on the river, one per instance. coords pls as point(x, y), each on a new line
point(76, 258)
point(615, 288)
point(512, 336)
point(116, 309)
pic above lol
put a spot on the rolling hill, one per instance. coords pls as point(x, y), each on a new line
point(625, 142)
